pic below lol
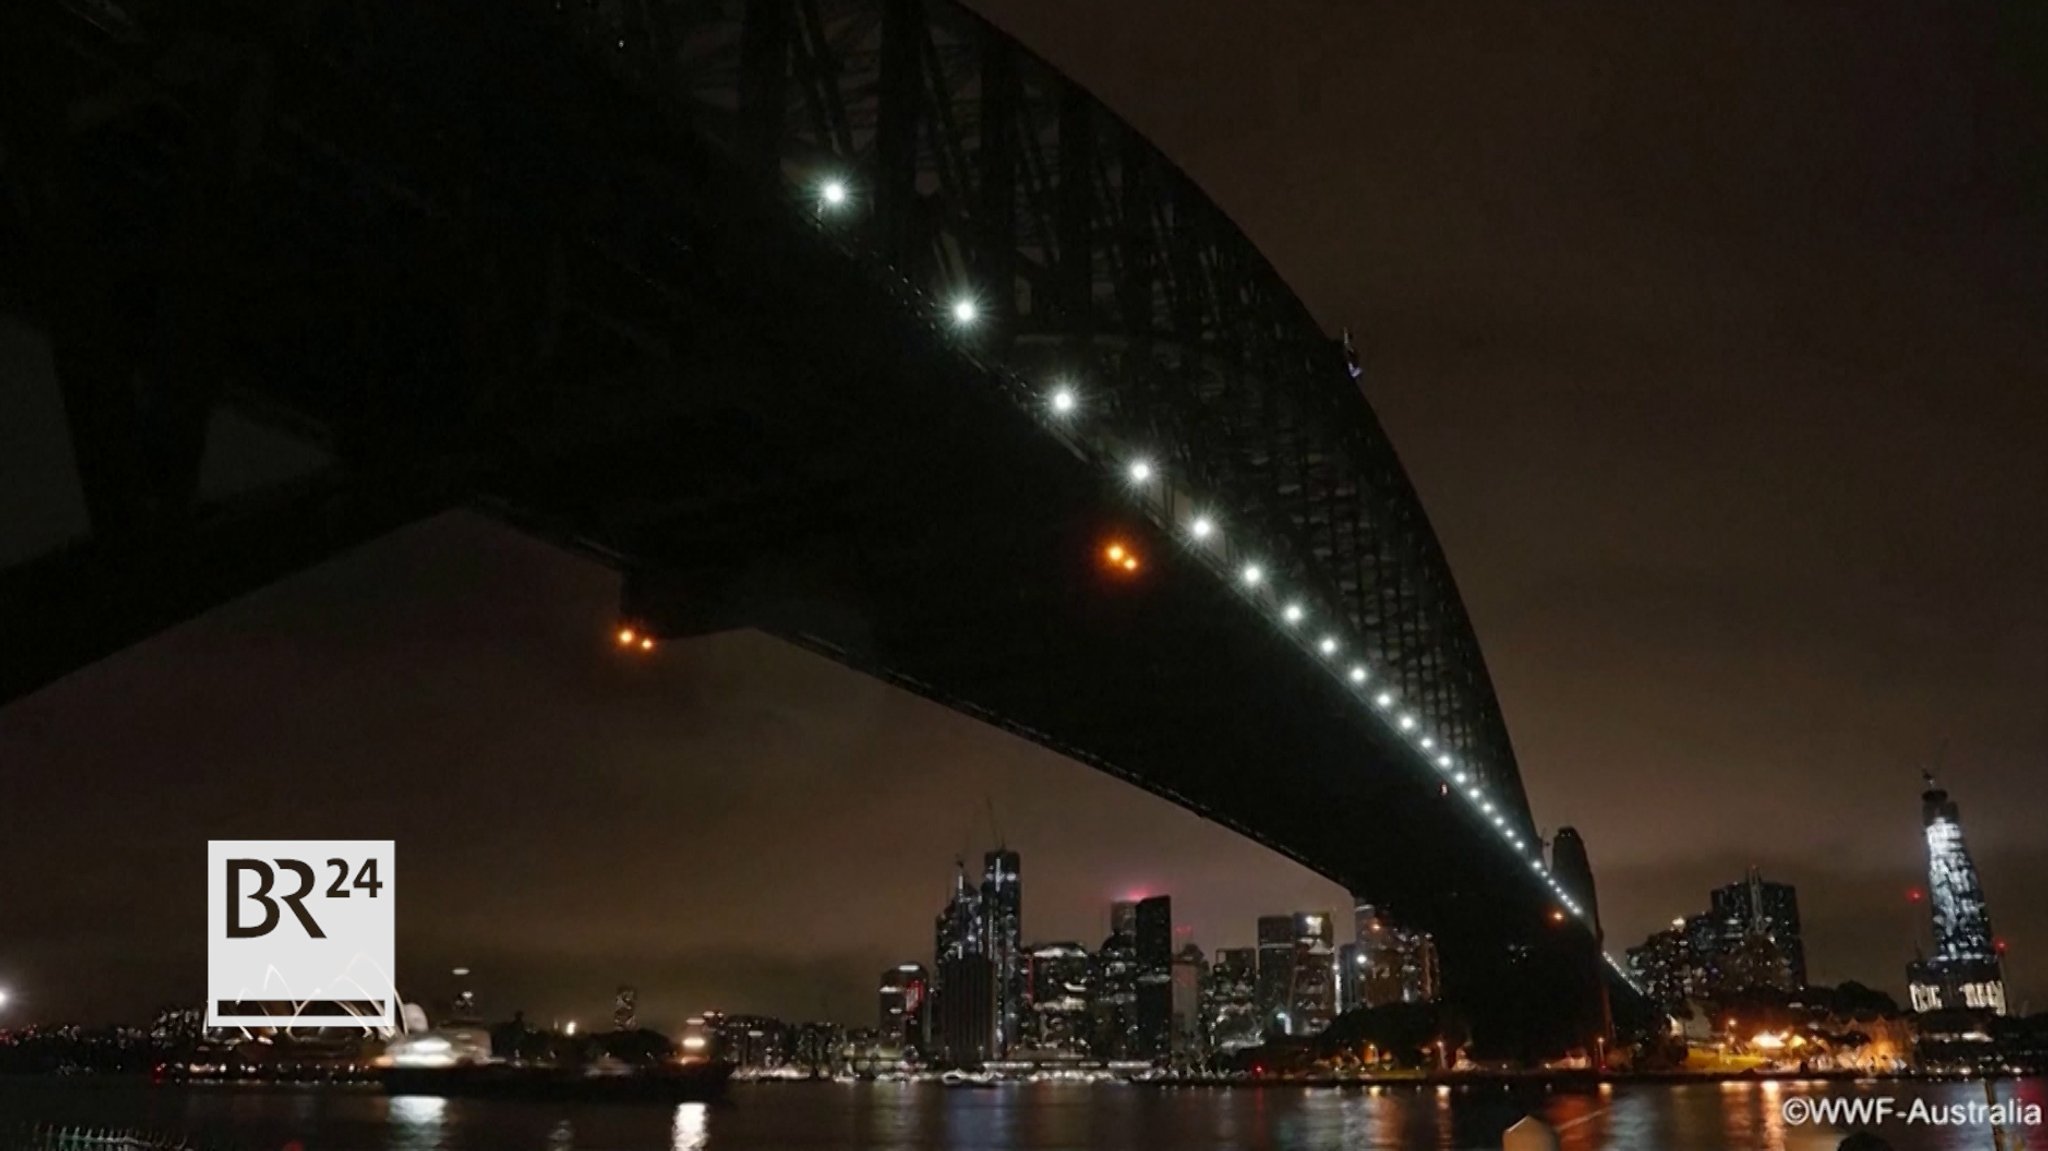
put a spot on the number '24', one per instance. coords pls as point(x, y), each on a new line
point(366, 879)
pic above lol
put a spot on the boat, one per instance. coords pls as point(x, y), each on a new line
point(665, 1083)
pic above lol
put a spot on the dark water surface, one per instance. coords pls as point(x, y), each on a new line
point(1038, 1117)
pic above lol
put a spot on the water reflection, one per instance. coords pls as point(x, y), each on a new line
point(1110, 1117)
point(692, 1128)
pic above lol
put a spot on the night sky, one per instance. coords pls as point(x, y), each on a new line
point(1713, 336)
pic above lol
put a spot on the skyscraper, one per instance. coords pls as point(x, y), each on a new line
point(1154, 954)
point(1002, 911)
point(1574, 871)
point(903, 994)
point(1123, 918)
point(1116, 996)
point(1391, 963)
point(965, 1026)
point(1314, 1002)
point(1964, 970)
point(1059, 998)
point(1753, 912)
point(960, 929)
point(1276, 972)
point(1230, 1000)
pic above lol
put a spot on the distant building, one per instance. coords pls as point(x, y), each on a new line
point(1123, 918)
point(1190, 972)
point(759, 1042)
point(964, 1024)
point(1754, 910)
point(625, 1009)
point(1276, 972)
point(960, 928)
point(1002, 910)
point(1391, 963)
point(1154, 955)
point(1965, 970)
point(1059, 999)
point(1230, 1007)
point(1314, 1000)
point(1116, 997)
point(1665, 966)
point(904, 994)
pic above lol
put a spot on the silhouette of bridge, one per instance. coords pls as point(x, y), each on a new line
point(849, 320)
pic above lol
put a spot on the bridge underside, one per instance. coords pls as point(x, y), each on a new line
point(737, 414)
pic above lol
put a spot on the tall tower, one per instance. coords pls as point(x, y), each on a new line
point(1574, 870)
point(1964, 970)
point(1002, 916)
point(959, 930)
point(1154, 950)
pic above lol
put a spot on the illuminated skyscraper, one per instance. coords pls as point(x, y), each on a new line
point(1756, 910)
point(961, 928)
point(1964, 970)
point(1230, 1000)
point(1059, 999)
point(1390, 963)
point(1314, 1002)
point(903, 1007)
point(1002, 916)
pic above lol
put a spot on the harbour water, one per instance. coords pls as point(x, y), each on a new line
point(1017, 1117)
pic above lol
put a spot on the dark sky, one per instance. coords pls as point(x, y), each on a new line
point(1714, 336)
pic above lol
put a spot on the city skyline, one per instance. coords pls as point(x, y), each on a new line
point(1753, 528)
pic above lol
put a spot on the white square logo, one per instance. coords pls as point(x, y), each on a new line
point(303, 929)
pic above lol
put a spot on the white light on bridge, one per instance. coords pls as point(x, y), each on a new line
point(1201, 528)
point(1252, 575)
point(1292, 613)
point(833, 193)
point(1357, 673)
point(1427, 743)
point(1064, 401)
point(1140, 471)
point(1407, 723)
point(1328, 646)
point(1444, 761)
point(1384, 699)
point(965, 312)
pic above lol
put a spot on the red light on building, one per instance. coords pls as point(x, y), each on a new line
point(1913, 894)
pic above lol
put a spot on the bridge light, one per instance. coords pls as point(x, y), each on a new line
point(1444, 761)
point(1115, 552)
point(1428, 742)
point(965, 312)
point(1384, 699)
point(1473, 792)
point(1407, 723)
point(1461, 778)
point(1201, 528)
point(646, 643)
point(627, 636)
point(1357, 673)
point(1140, 471)
point(1486, 809)
point(1499, 822)
point(833, 193)
point(1328, 646)
point(1064, 401)
point(1292, 613)
point(1252, 575)
point(1556, 915)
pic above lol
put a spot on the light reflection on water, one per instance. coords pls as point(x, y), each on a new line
point(1041, 1117)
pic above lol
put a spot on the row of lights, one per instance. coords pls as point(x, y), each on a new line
point(1064, 402)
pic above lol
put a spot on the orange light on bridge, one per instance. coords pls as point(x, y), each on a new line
point(1121, 558)
point(1556, 915)
point(646, 643)
point(627, 637)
